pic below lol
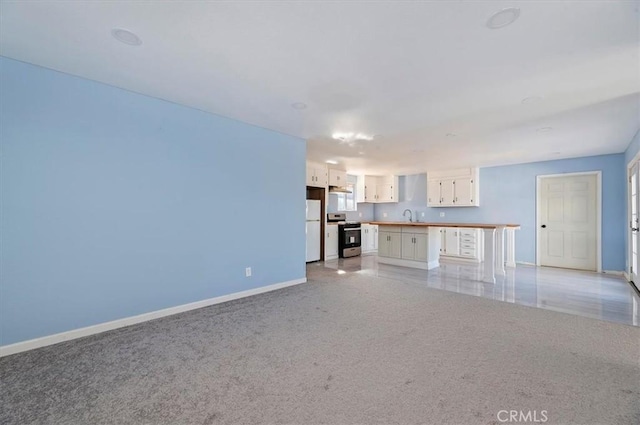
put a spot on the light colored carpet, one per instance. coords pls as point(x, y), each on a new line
point(340, 350)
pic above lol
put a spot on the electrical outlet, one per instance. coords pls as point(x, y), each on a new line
point(384, 214)
point(441, 214)
point(359, 214)
point(422, 214)
point(247, 272)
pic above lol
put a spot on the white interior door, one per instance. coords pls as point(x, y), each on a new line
point(567, 220)
point(634, 234)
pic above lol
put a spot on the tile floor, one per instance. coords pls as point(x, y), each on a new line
point(595, 295)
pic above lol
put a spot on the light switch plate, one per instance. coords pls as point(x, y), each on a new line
point(441, 214)
point(384, 214)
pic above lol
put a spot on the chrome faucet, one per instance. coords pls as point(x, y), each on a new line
point(410, 215)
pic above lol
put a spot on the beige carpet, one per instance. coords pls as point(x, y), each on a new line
point(346, 350)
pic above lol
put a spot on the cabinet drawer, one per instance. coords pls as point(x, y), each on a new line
point(469, 239)
point(415, 229)
point(468, 245)
point(466, 252)
point(468, 232)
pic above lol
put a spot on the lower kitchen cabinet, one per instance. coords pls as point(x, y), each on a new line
point(461, 244)
point(369, 240)
point(410, 246)
point(390, 242)
point(415, 246)
point(331, 242)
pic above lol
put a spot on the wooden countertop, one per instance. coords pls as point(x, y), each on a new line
point(465, 225)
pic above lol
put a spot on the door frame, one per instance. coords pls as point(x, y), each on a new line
point(598, 174)
point(628, 262)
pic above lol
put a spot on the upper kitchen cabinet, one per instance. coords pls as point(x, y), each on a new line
point(316, 175)
point(377, 189)
point(453, 188)
point(337, 177)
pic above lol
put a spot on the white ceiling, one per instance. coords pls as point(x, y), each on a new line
point(407, 72)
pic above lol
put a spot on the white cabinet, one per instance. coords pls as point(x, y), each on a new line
point(450, 241)
point(369, 238)
point(316, 175)
point(415, 243)
point(461, 243)
point(377, 189)
point(390, 242)
point(453, 188)
point(337, 177)
point(471, 244)
point(331, 242)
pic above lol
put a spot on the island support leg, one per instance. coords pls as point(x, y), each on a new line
point(511, 247)
point(500, 251)
point(489, 256)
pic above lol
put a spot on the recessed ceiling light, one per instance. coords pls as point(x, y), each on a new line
point(544, 129)
point(331, 161)
point(126, 37)
point(350, 137)
point(299, 105)
point(360, 153)
point(531, 99)
point(503, 18)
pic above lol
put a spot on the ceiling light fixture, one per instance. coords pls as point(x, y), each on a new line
point(331, 161)
point(350, 137)
point(126, 37)
point(503, 18)
point(544, 129)
point(299, 105)
point(531, 100)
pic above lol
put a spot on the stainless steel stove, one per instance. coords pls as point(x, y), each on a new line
point(349, 235)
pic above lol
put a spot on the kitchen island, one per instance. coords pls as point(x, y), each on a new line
point(415, 244)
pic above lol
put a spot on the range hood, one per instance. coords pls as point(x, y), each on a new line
point(338, 189)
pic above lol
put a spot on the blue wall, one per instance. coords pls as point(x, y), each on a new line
point(632, 149)
point(508, 195)
point(116, 204)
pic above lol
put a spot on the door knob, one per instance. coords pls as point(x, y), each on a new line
point(544, 226)
point(635, 229)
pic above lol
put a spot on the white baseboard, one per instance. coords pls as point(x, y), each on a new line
point(31, 344)
point(615, 272)
point(626, 276)
point(526, 263)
